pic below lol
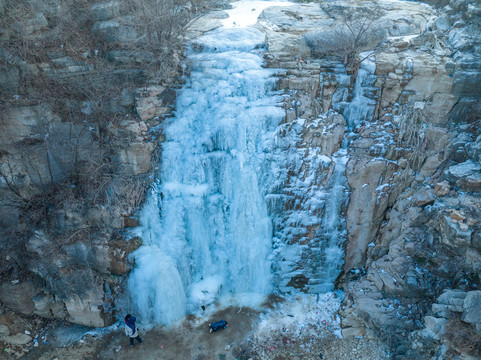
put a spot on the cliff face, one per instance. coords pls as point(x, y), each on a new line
point(78, 117)
point(79, 129)
point(412, 255)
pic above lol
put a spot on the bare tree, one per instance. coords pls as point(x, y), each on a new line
point(159, 25)
point(355, 30)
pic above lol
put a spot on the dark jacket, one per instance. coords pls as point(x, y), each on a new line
point(131, 323)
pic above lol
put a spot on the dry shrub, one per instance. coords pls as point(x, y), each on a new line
point(97, 180)
point(160, 25)
point(464, 337)
point(412, 131)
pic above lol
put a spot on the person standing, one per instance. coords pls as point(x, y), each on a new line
point(131, 330)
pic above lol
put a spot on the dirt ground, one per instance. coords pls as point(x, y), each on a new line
point(192, 340)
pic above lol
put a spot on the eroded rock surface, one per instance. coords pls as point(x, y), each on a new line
point(413, 173)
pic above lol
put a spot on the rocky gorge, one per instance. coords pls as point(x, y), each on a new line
point(407, 116)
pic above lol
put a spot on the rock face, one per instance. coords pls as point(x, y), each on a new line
point(412, 250)
point(77, 141)
point(407, 115)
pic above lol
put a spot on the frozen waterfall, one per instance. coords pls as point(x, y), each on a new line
point(206, 232)
point(241, 206)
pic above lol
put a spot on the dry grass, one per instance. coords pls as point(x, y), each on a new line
point(464, 337)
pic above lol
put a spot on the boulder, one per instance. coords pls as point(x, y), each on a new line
point(459, 39)
point(471, 182)
point(137, 158)
point(429, 78)
point(435, 326)
point(385, 282)
point(461, 171)
point(86, 310)
point(154, 101)
point(28, 27)
point(352, 332)
point(30, 133)
point(128, 57)
point(105, 11)
point(130, 221)
point(425, 197)
point(453, 236)
point(367, 203)
point(472, 308)
point(38, 244)
point(451, 297)
point(387, 62)
point(206, 23)
point(476, 240)
point(467, 82)
point(438, 108)
point(97, 256)
point(18, 339)
point(327, 135)
point(112, 31)
point(46, 306)
point(438, 139)
point(473, 150)
point(442, 23)
point(458, 215)
point(448, 302)
point(461, 140)
point(119, 252)
point(441, 310)
point(24, 122)
point(374, 314)
point(473, 260)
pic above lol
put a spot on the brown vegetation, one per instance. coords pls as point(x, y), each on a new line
point(463, 337)
point(41, 40)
